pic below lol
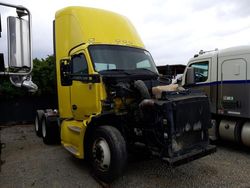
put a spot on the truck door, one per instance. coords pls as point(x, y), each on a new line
point(233, 89)
point(203, 75)
point(83, 92)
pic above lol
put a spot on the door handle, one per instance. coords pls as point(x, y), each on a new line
point(74, 107)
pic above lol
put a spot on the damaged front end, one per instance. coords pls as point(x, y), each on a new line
point(177, 126)
point(171, 122)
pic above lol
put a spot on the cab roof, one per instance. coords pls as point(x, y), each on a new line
point(99, 26)
point(237, 50)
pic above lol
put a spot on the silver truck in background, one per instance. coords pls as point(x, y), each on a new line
point(19, 66)
point(224, 75)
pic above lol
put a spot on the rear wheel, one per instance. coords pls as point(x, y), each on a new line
point(38, 122)
point(50, 130)
point(107, 153)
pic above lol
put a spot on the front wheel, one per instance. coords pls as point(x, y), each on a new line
point(107, 153)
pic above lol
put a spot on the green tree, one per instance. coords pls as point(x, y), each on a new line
point(43, 75)
point(7, 90)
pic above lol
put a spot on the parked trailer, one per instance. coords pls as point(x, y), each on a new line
point(224, 75)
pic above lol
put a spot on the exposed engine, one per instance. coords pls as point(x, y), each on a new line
point(167, 119)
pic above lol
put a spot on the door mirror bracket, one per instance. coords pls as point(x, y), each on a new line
point(190, 76)
point(65, 72)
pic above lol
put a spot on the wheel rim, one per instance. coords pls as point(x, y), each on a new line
point(101, 154)
point(36, 124)
point(44, 128)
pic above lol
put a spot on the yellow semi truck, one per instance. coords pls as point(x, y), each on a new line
point(111, 97)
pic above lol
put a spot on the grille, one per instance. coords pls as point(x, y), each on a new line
point(191, 111)
point(190, 140)
point(192, 119)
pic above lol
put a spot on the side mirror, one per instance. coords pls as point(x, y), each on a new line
point(65, 72)
point(19, 44)
point(19, 48)
point(2, 67)
point(0, 26)
point(190, 76)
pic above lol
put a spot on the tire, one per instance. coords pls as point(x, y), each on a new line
point(38, 122)
point(142, 88)
point(107, 153)
point(50, 130)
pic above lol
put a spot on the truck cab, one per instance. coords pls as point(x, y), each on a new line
point(223, 75)
point(204, 72)
point(111, 97)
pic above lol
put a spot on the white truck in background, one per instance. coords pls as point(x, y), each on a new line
point(224, 75)
point(19, 53)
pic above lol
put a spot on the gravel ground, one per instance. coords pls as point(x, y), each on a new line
point(30, 163)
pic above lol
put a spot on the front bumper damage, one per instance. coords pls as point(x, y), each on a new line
point(190, 156)
point(181, 128)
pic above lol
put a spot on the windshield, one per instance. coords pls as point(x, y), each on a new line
point(113, 57)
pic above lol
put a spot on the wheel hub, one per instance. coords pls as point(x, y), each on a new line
point(101, 154)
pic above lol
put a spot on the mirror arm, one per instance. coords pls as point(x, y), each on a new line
point(24, 81)
point(95, 78)
point(0, 26)
point(15, 6)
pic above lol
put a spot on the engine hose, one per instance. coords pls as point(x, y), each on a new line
point(142, 88)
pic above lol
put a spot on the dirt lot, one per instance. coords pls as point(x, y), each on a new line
point(30, 163)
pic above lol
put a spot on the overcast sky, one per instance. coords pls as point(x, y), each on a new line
point(172, 30)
